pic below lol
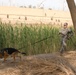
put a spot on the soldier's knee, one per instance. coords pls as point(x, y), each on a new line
point(64, 43)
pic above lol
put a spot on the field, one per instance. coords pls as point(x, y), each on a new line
point(32, 39)
point(41, 44)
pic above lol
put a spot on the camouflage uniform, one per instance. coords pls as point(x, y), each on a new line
point(64, 36)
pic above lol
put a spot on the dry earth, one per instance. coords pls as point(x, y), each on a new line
point(42, 64)
point(16, 15)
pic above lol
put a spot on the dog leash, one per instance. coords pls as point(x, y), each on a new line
point(37, 42)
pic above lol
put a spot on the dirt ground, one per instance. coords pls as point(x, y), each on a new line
point(42, 64)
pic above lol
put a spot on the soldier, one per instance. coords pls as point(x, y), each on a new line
point(65, 34)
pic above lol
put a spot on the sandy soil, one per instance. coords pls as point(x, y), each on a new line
point(42, 64)
point(34, 16)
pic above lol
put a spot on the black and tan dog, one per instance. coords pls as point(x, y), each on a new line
point(4, 53)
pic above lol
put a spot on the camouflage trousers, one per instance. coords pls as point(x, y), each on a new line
point(63, 44)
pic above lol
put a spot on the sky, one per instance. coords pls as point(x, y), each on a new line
point(53, 4)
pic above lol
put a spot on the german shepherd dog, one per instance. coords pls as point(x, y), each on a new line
point(4, 53)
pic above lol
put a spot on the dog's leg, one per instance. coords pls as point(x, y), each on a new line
point(5, 55)
point(19, 57)
point(14, 56)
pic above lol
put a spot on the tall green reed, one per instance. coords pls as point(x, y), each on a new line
point(24, 38)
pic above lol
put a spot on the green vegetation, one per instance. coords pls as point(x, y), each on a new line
point(24, 37)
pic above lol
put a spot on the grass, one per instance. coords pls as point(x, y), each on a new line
point(24, 38)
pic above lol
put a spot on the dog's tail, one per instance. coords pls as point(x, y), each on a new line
point(22, 53)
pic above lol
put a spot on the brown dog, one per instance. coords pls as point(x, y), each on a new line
point(4, 53)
